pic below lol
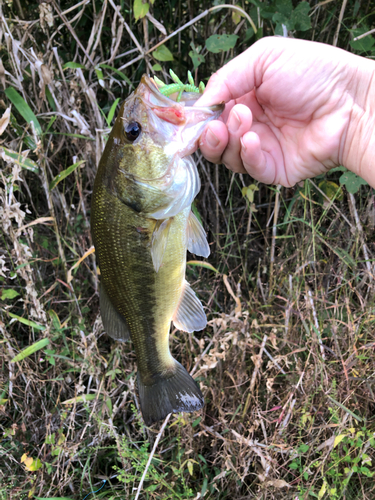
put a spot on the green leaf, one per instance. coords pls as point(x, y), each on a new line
point(352, 182)
point(30, 350)
point(81, 399)
point(9, 294)
point(337, 169)
point(156, 67)
point(249, 34)
point(163, 54)
point(23, 108)
point(366, 471)
point(338, 439)
point(64, 174)
point(330, 189)
point(364, 44)
point(140, 9)
point(20, 160)
point(300, 18)
point(55, 320)
point(53, 498)
point(111, 112)
point(267, 11)
point(303, 448)
point(50, 99)
point(284, 7)
point(279, 27)
point(197, 59)
point(73, 65)
point(196, 421)
point(100, 76)
point(323, 490)
point(27, 322)
point(217, 43)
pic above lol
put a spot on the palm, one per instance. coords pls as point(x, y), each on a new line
point(297, 107)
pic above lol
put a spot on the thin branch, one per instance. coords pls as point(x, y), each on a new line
point(204, 14)
point(336, 37)
point(151, 455)
point(66, 22)
point(363, 35)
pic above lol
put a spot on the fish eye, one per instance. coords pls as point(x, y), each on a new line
point(132, 131)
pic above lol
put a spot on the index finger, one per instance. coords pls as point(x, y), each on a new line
point(236, 78)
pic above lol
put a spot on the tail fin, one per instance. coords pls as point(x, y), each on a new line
point(171, 393)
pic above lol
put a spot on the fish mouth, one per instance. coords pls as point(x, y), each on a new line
point(162, 101)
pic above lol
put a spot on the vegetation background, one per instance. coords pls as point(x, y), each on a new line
point(287, 361)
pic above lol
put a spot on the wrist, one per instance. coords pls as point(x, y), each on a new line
point(359, 143)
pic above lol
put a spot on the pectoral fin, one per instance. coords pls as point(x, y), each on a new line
point(159, 242)
point(114, 323)
point(196, 237)
point(189, 315)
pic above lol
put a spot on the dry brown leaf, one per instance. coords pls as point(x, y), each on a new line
point(277, 483)
point(4, 120)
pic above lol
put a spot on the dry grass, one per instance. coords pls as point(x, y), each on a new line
point(287, 361)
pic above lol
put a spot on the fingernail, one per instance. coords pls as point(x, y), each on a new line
point(211, 139)
point(234, 122)
point(243, 147)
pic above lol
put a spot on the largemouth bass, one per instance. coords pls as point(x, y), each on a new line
point(142, 225)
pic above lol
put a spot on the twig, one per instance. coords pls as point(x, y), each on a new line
point(151, 455)
point(331, 203)
point(309, 294)
point(359, 228)
point(197, 18)
point(132, 36)
point(201, 357)
point(336, 37)
point(363, 35)
point(258, 362)
point(288, 415)
point(67, 24)
point(274, 231)
point(213, 188)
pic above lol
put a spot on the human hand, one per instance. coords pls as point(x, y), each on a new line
point(289, 106)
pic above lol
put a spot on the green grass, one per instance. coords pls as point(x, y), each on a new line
point(288, 380)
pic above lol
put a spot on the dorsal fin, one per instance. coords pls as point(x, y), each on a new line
point(196, 237)
point(189, 315)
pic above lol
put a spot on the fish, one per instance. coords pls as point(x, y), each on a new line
point(141, 225)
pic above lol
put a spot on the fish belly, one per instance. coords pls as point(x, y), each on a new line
point(146, 299)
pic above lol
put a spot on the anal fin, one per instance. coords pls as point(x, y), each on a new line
point(159, 242)
point(114, 323)
point(196, 237)
point(189, 315)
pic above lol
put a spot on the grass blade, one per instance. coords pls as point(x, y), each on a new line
point(30, 350)
point(23, 108)
point(201, 263)
point(80, 399)
point(345, 409)
point(19, 159)
point(27, 322)
point(118, 72)
point(111, 113)
point(64, 174)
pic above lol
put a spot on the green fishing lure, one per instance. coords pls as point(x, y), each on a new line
point(178, 85)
